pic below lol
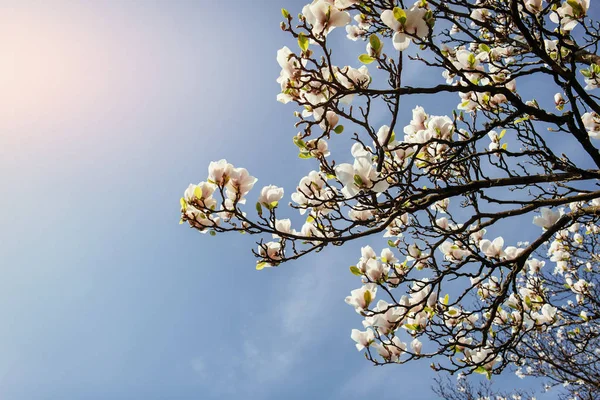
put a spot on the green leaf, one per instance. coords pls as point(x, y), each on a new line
point(310, 219)
point(375, 43)
point(483, 371)
point(304, 155)
point(484, 47)
point(354, 269)
point(285, 13)
point(519, 120)
point(273, 205)
point(260, 265)
point(358, 180)
point(391, 243)
point(339, 129)
point(183, 204)
point(446, 299)
point(428, 17)
point(578, 10)
point(212, 233)
point(299, 142)
point(258, 208)
point(471, 60)
point(400, 15)
point(302, 41)
point(365, 59)
point(502, 134)
point(368, 298)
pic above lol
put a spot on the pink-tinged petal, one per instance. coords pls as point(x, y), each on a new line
point(339, 19)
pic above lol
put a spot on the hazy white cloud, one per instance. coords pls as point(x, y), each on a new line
point(265, 355)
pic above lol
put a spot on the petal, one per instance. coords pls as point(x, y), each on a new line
point(345, 174)
point(339, 19)
point(387, 17)
point(401, 41)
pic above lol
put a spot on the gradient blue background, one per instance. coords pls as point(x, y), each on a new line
point(108, 110)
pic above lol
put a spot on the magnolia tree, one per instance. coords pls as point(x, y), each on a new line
point(516, 153)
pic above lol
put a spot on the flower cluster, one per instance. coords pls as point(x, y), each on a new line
point(443, 189)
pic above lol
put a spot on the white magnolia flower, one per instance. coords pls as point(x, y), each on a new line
point(289, 63)
point(384, 133)
point(324, 17)
point(219, 172)
point(559, 101)
point(376, 270)
point(568, 14)
point(547, 218)
point(283, 226)
point(360, 214)
point(483, 356)
point(535, 265)
point(453, 251)
point(270, 252)
point(199, 219)
point(270, 196)
point(353, 79)
point(416, 346)
point(414, 25)
point(492, 249)
point(327, 121)
point(201, 194)
point(361, 175)
point(387, 256)
point(312, 191)
point(534, 6)
point(495, 138)
point(548, 313)
point(362, 297)
point(343, 4)
point(591, 121)
point(318, 147)
point(512, 252)
point(476, 235)
point(417, 123)
point(362, 339)
point(386, 318)
point(354, 32)
point(239, 184)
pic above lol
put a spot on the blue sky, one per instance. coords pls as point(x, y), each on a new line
point(108, 110)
